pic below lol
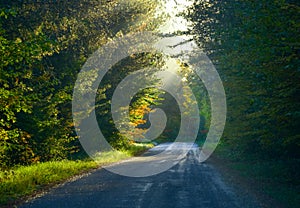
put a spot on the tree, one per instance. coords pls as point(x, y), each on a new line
point(255, 47)
point(43, 46)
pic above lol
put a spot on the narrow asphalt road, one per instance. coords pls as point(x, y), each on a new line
point(187, 184)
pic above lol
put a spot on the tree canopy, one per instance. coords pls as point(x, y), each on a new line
point(43, 45)
point(255, 48)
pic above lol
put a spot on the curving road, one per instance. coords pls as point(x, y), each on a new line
point(187, 184)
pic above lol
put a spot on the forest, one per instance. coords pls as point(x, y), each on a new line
point(43, 47)
point(253, 44)
point(255, 47)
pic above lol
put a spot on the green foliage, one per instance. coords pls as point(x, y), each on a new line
point(42, 48)
point(18, 58)
point(202, 98)
point(255, 48)
point(140, 104)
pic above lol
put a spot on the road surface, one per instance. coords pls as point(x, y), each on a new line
point(187, 184)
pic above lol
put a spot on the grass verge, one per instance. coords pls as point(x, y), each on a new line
point(23, 181)
point(274, 182)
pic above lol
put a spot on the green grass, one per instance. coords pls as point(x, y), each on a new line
point(278, 179)
point(105, 158)
point(25, 180)
point(138, 148)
